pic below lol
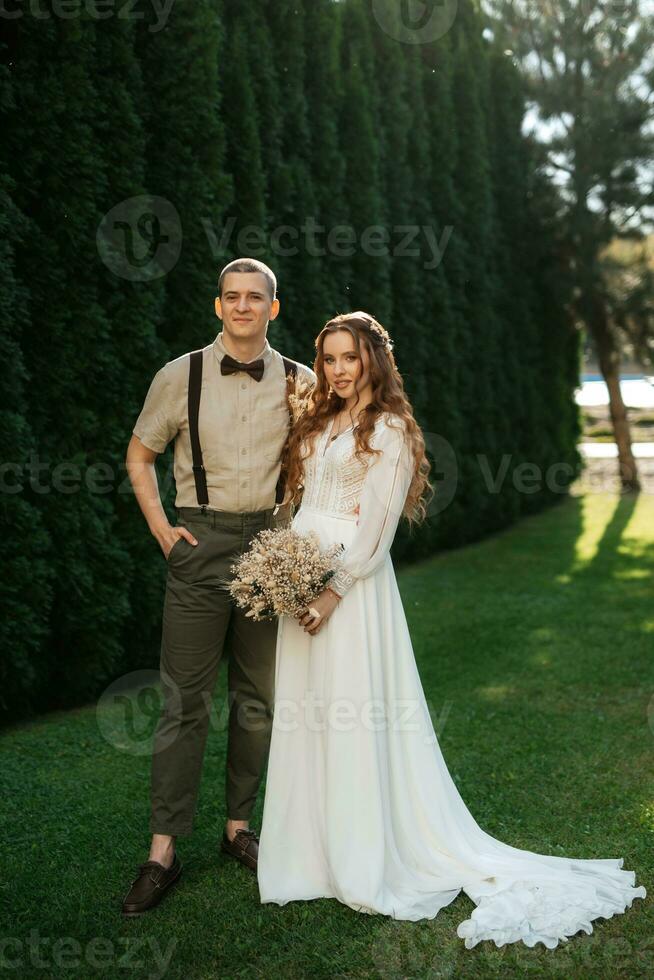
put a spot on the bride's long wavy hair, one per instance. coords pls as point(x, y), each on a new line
point(388, 395)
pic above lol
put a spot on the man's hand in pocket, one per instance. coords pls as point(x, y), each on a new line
point(167, 537)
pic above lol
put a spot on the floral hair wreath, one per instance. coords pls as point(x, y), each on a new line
point(378, 335)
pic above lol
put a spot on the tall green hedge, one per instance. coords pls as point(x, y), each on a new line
point(305, 115)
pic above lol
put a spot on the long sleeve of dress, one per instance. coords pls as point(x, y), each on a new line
point(382, 500)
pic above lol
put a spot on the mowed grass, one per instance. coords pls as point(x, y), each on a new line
point(535, 649)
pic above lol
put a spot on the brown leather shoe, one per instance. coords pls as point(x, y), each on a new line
point(244, 847)
point(150, 886)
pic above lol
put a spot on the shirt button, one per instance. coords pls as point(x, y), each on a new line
point(243, 452)
point(244, 484)
point(243, 385)
point(244, 418)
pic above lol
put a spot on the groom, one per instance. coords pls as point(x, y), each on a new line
point(226, 409)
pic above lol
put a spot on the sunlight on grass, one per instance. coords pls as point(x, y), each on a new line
point(546, 638)
point(544, 634)
point(597, 512)
point(640, 527)
point(496, 692)
point(646, 817)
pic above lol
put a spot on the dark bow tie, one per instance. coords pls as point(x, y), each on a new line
point(229, 366)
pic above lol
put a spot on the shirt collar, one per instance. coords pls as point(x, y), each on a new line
point(220, 350)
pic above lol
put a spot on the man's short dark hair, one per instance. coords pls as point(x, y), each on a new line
point(249, 265)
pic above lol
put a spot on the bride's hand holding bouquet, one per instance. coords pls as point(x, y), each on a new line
point(286, 574)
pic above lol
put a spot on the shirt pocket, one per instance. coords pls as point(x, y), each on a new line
point(275, 431)
point(219, 441)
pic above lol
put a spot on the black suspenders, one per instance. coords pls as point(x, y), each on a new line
point(194, 391)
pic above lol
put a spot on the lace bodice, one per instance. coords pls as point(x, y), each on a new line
point(334, 477)
point(371, 491)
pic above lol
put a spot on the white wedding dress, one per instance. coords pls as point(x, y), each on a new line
point(359, 803)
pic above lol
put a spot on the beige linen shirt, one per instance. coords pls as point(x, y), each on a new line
point(243, 426)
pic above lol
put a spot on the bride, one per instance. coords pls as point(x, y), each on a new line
point(359, 803)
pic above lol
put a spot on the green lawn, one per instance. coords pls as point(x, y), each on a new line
point(535, 649)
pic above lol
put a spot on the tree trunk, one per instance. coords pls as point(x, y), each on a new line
point(609, 361)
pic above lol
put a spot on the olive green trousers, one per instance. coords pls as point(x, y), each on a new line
point(200, 621)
